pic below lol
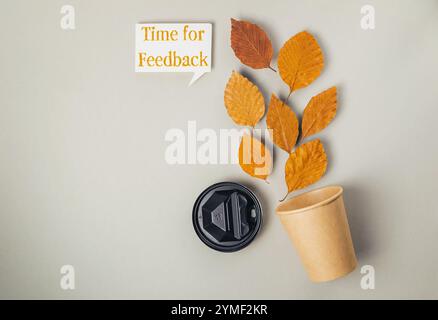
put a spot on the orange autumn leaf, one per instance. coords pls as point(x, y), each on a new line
point(283, 124)
point(300, 61)
point(251, 44)
point(254, 158)
point(243, 100)
point(306, 165)
point(319, 112)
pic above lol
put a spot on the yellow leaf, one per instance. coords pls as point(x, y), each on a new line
point(283, 124)
point(300, 61)
point(251, 44)
point(319, 112)
point(254, 158)
point(306, 165)
point(243, 100)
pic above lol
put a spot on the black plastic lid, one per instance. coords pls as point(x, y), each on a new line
point(227, 216)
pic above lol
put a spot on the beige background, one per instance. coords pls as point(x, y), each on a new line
point(83, 179)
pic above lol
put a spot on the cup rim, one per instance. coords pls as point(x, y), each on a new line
point(321, 203)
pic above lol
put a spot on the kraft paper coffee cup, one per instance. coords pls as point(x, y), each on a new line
point(317, 224)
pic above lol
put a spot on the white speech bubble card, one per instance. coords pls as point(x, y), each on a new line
point(173, 47)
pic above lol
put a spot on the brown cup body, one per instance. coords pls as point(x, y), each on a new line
point(317, 224)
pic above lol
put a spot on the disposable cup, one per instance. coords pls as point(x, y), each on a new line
point(317, 225)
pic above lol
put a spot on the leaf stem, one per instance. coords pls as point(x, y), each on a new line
point(284, 198)
point(272, 69)
point(288, 96)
